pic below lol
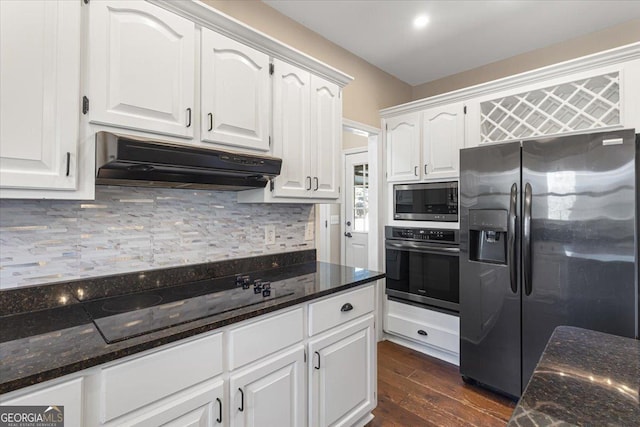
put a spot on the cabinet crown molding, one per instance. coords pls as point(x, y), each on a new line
point(613, 56)
point(208, 17)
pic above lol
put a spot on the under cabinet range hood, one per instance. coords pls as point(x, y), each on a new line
point(142, 163)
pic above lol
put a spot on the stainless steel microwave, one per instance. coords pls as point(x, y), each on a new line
point(430, 201)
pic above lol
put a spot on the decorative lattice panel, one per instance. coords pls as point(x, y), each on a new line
point(591, 103)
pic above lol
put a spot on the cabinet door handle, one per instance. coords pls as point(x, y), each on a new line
point(317, 183)
point(68, 163)
point(415, 170)
point(309, 187)
point(422, 332)
point(425, 168)
point(219, 419)
point(317, 367)
point(188, 117)
point(346, 307)
point(241, 408)
point(210, 121)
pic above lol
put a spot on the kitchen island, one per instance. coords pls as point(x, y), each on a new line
point(583, 378)
point(132, 349)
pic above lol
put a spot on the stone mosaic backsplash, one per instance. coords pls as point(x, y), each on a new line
point(130, 229)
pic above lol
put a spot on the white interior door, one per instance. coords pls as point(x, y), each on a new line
point(356, 217)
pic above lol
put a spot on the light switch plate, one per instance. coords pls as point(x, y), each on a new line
point(335, 219)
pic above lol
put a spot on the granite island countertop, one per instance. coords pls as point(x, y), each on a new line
point(583, 378)
point(45, 332)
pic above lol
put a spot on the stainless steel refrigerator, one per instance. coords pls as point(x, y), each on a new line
point(547, 238)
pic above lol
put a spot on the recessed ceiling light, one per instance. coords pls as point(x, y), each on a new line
point(421, 21)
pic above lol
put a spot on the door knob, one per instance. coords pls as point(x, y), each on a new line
point(348, 223)
point(347, 234)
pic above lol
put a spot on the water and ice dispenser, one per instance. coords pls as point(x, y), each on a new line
point(488, 235)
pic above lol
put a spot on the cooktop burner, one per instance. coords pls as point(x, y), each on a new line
point(130, 302)
point(127, 316)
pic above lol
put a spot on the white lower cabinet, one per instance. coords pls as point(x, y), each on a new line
point(65, 396)
point(200, 406)
point(311, 364)
point(271, 393)
point(342, 374)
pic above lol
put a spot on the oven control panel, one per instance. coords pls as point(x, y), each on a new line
point(422, 234)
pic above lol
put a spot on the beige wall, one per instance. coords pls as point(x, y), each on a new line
point(372, 89)
point(609, 38)
point(351, 140)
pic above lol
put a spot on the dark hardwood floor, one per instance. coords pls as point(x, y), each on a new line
point(418, 390)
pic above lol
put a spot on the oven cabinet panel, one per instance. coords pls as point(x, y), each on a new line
point(52, 393)
point(402, 135)
point(342, 374)
point(199, 406)
point(130, 385)
point(437, 333)
point(270, 392)
point(141, 68)
point(443, 136)
point(235, 93)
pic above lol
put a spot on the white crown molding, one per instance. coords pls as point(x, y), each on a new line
point(352, 124)
point(208, 17)
point(600, 59)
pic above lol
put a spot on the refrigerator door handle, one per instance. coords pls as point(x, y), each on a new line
point(526, 240)
point(511, 239)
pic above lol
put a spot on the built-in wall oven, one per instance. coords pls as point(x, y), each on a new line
point(422, 266)
point(426, 201)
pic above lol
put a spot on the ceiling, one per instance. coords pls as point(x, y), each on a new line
point(460, 35)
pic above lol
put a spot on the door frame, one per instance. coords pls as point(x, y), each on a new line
point(374, 150)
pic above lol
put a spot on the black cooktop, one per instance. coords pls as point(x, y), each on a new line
point(126, 316)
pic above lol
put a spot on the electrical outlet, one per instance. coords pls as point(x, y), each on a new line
point(308, 231)
point(270, 234)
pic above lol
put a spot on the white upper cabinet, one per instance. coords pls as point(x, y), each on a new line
point(307, 131)
point(443, 136)
point(40, 102)
point(141, 68)
point(403, 148)
point(326, 134)
point(234, 93)
point(291, 92)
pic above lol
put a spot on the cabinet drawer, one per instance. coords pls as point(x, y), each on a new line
point(425, 326)
point(336, 310)
point(263, 337)
point(138, 382)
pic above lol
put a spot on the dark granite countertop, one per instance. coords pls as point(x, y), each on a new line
point(45, 332)
point(583, 378)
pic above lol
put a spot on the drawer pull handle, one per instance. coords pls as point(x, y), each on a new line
point(346, 307)
point(219, 419)
point(422, 332)
point(317, 367)
point(241, 408)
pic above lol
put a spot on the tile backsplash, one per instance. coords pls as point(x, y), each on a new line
point(129, 229)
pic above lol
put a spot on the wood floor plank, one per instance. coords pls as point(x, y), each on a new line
point(418, 390)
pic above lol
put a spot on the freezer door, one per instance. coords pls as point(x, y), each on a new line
point(578, 229)
point(489, 254)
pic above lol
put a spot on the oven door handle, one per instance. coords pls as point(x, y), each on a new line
point(421, 247)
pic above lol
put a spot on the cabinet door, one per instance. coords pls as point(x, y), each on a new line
point(443, 136)
point(200, 406)
point(326, 134)
point(66, 394)
point(270, 393)
point(40, 102)
point(141, 68)
point(342, 374)
point(235, 93)
point(403, 148)
point(291, 90)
